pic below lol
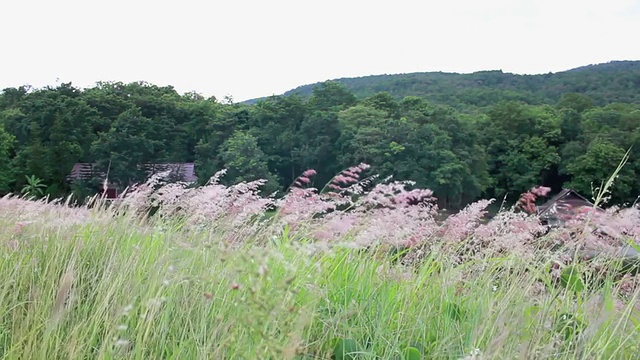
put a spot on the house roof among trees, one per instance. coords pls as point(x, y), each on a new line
point(88, 171)
point(563, 206)
point(187, 171)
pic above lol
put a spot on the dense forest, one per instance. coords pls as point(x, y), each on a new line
point(487, 134)
point(617, 81)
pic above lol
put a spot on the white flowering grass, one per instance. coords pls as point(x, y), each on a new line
point(107, 286)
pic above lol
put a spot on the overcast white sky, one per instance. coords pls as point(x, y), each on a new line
point(256, 48)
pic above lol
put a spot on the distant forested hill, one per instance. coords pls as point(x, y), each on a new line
point(616, 81)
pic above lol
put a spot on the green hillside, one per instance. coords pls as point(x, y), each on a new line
point(616, 81)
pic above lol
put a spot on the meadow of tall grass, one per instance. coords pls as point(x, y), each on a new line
point(359, 269)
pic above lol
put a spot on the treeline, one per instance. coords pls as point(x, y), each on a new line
point(506, 148)
point(616, 81)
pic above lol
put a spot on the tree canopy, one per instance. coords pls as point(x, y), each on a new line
point(500, 136)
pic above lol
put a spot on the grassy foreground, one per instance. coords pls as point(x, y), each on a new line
point(89, 284)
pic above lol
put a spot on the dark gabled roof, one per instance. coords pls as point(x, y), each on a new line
point(186, 170)
point(563, 205)
point(88, 171)
point(84, 171)
point(565, 196)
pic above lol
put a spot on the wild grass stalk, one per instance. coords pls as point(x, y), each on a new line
point(112, 282)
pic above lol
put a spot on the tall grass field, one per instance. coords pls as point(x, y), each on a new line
point(355, 272)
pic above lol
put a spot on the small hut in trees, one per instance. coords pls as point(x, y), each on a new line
point(93, 179)
point(88, 173)
point(566, 205)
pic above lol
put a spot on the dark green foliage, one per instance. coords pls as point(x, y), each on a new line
point(571, 278)
point(246, 161)
point(331, 95)
point(616, 81)
point(348, 349)
point(465, 137)
point(569, 326)
point(7, 142)
point(33, 188)
point(411, 353)
point(345, 349)
point(454, 311)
